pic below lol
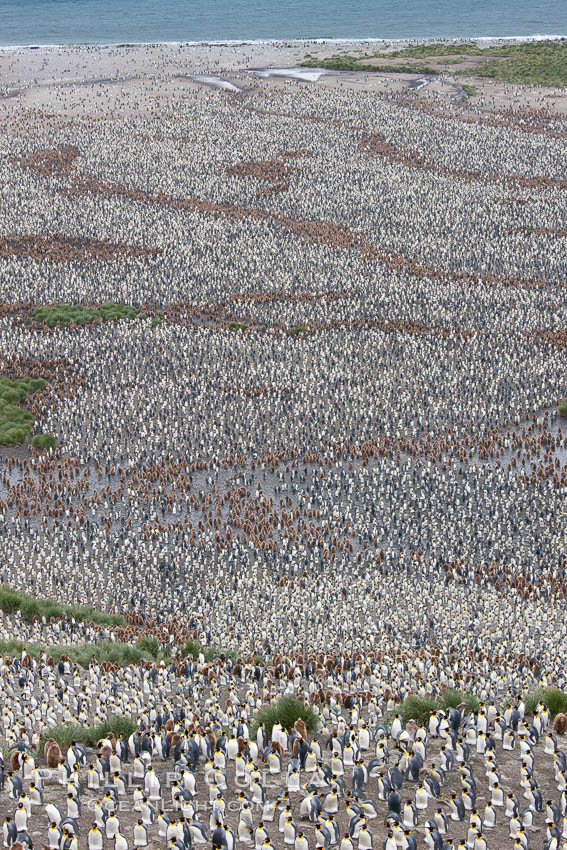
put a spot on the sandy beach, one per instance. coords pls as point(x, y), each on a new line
point(97, 80)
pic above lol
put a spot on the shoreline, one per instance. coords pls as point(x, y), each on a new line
point(67, 81)
point(289, 42)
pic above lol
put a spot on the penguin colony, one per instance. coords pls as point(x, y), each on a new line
point(194, 773)
point(365, 487)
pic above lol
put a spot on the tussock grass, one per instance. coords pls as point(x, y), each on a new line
point(113, 652)
point(420, 708)
point(530, 63)
point(347, 62)
point(554, 698)
point(59, 315)
point(193, 648)
point(543, 64)
point(88, 736)
point(417, 708)
point(15, 600)
point(15, 421)
point(452, 698)
point(470, 91)
point(563, 407)
point(286, 710)
point(44, 441)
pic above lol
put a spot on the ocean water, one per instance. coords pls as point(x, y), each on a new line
point(27, 22)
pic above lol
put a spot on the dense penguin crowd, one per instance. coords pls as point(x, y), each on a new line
point(328, 445)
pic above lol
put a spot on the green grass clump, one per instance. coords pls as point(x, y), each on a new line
point(554, 698)
point(417, 708)
point(59, 315)
point(470, 91)
point(543, 63)
point(237, 326)
point(44, 441)
point(15, 421)
point(193, 648)
point(212, 652)
point(150, 645)
point(421, 51)
point(88, 736)
point(299, 329)
point(420, 708)
point(347, 62)
point(563, 407)
point(15, 647)
point(452, 699)
point(286, 710)
point(533, 63)
point(114, 652)
point(15, 600)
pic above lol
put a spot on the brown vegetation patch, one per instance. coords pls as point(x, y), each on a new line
point(66, 249)
point(316, 232)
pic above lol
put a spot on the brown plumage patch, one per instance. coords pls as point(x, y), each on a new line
point(52, 753)
point(67, 249)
